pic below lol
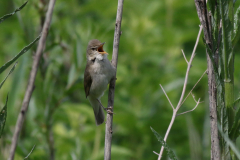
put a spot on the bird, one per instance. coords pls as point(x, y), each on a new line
point(98, 73)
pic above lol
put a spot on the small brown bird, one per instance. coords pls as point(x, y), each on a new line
point(98, 73)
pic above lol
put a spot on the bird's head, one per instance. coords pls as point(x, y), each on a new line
point(95, 49)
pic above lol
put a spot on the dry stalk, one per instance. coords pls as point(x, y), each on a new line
point(175, 110)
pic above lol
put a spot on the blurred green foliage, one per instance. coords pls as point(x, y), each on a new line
point(153, 34)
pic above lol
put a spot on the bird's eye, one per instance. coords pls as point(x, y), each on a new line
point(94, 49)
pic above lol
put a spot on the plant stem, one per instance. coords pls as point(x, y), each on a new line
point(30, 87)
point(109, 121)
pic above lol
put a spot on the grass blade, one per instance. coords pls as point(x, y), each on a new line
point(25, 49)
point(230, 143)
point(30, 152)
point(3, 116)
point(10, 14)
point(8, 75)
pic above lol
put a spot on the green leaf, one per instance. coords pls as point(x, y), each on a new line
point(230, 143)
point(8, 75)
point(210, 54)
point(211, 6)
point(10, 14)
point(224, 129)
point(71, 76)
point(3, 116)
point(234, 133)
point(25, 49)
point(237, 101)
point(78, 54)
point(236, 32)
point(170, 152)
point(227, 22)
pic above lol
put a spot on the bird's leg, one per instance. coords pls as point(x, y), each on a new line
point(108, 109)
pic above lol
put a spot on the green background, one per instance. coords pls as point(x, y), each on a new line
point(153, 34)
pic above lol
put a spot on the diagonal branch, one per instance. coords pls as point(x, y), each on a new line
point(191, 109)
point(188, 68)
point(194, 87)
point(184, 56)
point(167, 97)
point(109, 121)
point(30, 87)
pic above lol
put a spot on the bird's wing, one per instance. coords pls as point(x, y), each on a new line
point(87, 80)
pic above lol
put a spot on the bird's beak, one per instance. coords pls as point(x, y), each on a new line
point(100, 49)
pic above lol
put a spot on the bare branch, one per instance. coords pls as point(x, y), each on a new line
point(183, 93)
point(188, 69)
point(167, 97)
point(194, 87)
point(193, 97)
point(184, 56)
point(155, 153)
point(109, 121)
point(191, 109)
point(30, 87)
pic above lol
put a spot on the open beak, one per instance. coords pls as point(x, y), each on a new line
point(100, 49)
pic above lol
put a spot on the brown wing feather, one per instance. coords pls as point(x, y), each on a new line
point(87, 80)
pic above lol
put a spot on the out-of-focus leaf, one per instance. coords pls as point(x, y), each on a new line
point(30, 152)
point(10, 14)
point(170, 152)
point(24, 50)
point(194, 140)
point(78, 54)
point(3, 116)
point(1, 84)
point(119, 150)
point(236, 32)
point(71, 76)
point(237, 101)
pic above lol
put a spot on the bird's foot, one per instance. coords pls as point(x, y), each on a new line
point(108, 109)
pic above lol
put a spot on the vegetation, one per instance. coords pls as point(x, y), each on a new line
point(60, 119)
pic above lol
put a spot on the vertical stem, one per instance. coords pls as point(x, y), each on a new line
point(30, 87)
point(109, 121)
point(50, 140)
point(215, 147)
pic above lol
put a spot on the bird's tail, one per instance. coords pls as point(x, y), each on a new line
point(98, 111)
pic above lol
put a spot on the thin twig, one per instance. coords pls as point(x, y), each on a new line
point(184, 57)
point(30, 87)
point(109, 121)
point(188, 68)
point(30, 152)
point(194, 86)
point(167, 97)
point(155, 153)
point(183, 93)
point(191, 109)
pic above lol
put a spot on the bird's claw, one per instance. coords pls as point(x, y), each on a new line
point(108, 109)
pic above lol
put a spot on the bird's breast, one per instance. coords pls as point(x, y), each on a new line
point(102, 73)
